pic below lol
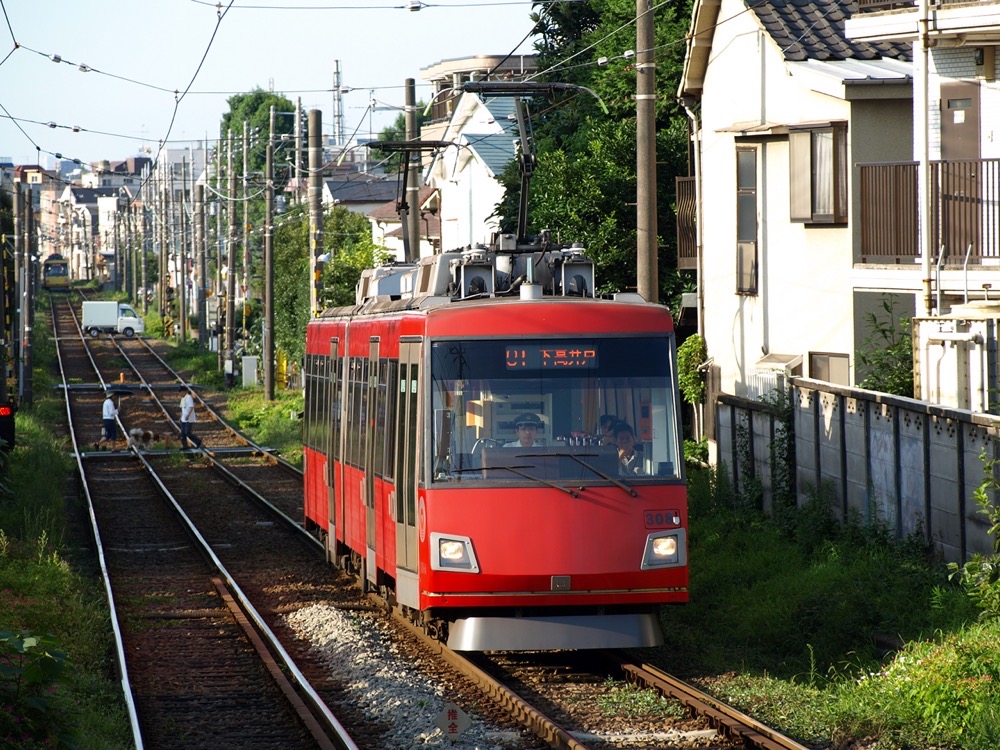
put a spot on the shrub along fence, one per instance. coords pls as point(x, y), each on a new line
point(909, 464)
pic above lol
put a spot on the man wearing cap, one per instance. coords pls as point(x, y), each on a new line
point(108, 414)
point(187, 418)
point(527, 431)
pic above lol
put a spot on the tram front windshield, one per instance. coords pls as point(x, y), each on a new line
point(532, 410)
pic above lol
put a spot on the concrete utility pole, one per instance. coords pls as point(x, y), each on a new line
point(18, 312)
point(199, 252)
point(245, 278)
point(412, 196)
point(30, 248)
point(269, 264)
point(229, 365)
point(299, 144)
point(647, 273)
point(315, 207)
point(182, 255)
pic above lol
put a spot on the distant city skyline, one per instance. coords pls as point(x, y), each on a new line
point(99, 80)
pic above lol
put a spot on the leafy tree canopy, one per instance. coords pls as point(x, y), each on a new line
point(254, 108)
point(584, 183)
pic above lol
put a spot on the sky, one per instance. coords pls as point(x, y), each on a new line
point(143, 54)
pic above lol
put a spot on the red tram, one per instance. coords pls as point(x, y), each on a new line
point(414, 473)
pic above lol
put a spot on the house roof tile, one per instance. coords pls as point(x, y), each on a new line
point(814, 29)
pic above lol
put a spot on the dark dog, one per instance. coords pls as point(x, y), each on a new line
point(141, 438)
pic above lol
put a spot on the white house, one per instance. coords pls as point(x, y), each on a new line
point(465, 175)
point(784, 111)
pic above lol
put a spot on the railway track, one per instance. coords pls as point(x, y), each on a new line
point(201, 665)
point(200, 668)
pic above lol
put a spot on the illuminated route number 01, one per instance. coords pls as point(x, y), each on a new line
point(541, 357)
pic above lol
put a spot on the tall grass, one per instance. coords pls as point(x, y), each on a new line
point(834, 632)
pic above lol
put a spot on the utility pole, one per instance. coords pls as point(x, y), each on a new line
point(230, 365)
point(269, 264)
point(412, 197)
point(298, 151)
point(182, 255)
point(245, 279)
point(146, 248)
point(30, 249)
point(18, 310)
point(315, 207)
point(647, 273)
point(338, 107)
point(199, 252)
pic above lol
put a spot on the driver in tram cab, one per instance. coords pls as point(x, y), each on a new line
point(629, 460)
point(527, 426)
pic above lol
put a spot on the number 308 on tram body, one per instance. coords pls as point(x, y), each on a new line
point(428, 482)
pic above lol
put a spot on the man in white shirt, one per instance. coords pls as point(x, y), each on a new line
point(109, 412)
point(187, 418)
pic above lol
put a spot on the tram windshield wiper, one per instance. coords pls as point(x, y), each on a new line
point(601, 474)
point(526, 475)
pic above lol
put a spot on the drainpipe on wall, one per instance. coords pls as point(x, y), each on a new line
point(688, 102)
point(923, 174)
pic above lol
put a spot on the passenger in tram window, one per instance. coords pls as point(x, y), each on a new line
point(527, 431)
point(605, 428)
point(108, 414)
point(187, 418)
point(629, 459)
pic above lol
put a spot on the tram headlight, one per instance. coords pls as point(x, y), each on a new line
point(665, 549)
point(453, 552)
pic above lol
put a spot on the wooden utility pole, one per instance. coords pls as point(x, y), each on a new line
point(647, 273)
point(315, 207)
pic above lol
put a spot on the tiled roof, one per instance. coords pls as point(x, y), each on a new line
point(361, 190)
point(814, 29)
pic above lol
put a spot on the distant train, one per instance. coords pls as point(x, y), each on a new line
point(55, 273)
point(419, 477)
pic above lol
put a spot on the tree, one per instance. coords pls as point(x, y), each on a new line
point(397, 132)
point(254, 108)
point(584, 184)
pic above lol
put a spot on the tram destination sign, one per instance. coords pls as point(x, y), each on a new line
point(551, 355)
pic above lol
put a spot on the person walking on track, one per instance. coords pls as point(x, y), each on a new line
point(187, 418)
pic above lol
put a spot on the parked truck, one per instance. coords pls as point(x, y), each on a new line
point(111, 317)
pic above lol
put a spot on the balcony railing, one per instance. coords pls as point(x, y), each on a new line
point(687, 217)
point(964, 211)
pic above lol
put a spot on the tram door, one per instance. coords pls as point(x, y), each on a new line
point(370, 414)
point(406, 454)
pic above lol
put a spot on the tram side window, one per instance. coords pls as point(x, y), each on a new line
point(381, 397)
point(336, 396)
point(392, 405)
point(354, 427)
point(324, 416)
point(310, 384)
point(364, 412)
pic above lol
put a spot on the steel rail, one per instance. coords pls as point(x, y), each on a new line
point(208, 407)
point(116, 628)
point(544, 727)
point(344, 741)
point(727, 719)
